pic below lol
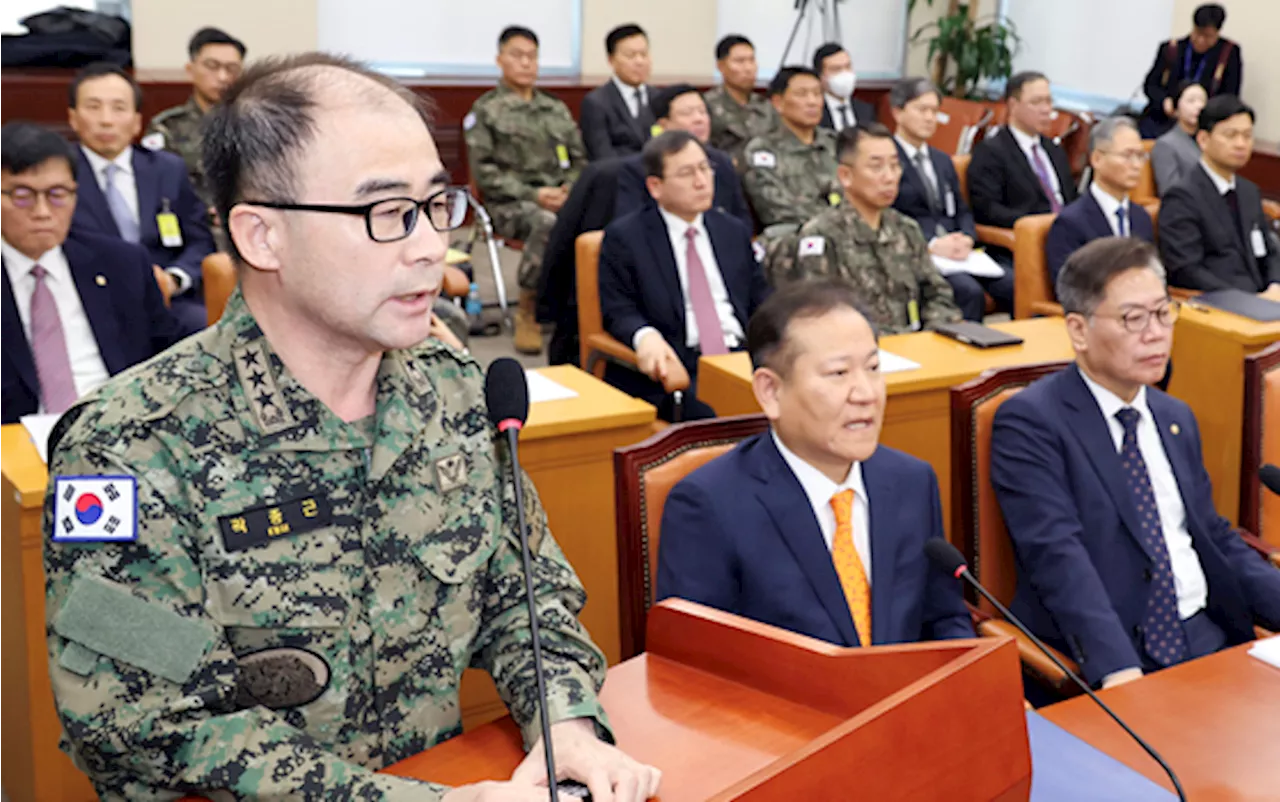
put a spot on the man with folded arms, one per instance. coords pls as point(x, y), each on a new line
point(812, 526)
point(1124, 564)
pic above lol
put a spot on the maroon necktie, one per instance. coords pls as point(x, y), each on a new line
point(710, 335)
point(1042, 172)
point(49, 348)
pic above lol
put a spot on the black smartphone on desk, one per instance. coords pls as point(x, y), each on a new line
point(977, 335)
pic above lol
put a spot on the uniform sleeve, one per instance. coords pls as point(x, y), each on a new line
point(495, 183)
point(160, 713)
point(575, 667)
point(197, 239)
point(577, 154)
point(770, 197)
point(818, 256)
point(937, 301)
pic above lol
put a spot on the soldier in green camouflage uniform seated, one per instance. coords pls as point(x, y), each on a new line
point(789, 174)
point(525, 152)
point(216, 61)
point(738, 114)
point(317, 519)
point(872, 245)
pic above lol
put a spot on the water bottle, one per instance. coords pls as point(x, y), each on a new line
point(473, 306)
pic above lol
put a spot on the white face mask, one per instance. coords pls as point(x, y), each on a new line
point(842, 83)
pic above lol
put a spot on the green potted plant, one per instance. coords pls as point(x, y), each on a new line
point(967, 51)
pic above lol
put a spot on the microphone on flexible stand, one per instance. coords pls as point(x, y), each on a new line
point(948, 558)
point(1269, 475)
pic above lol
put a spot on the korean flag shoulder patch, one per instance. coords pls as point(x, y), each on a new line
point(763, 158)
point(813, 246)
point(153, 141)
point(469, 121)
point(95, 509)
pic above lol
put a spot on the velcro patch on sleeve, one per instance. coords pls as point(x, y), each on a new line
point(763, 158)
point(813, 246)
point(104, 617)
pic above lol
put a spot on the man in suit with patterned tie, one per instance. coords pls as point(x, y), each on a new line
point(135, 194)
point(678, 278)
point(811, 526)
point(929, 193)
point(1123, 562)
point(616, 118)
point(76, 310)
point(1116, 156)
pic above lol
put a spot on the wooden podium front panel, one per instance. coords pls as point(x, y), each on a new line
point(1215, 720)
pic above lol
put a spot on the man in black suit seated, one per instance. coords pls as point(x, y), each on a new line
point(929, 193)
point(1213, 233)
point(77, 310)
point(681, 108)
point(678, 279)
point(1204, 57)
point(1020, 171)
point(840, 109)
point(616, 117)
point(1116, 156)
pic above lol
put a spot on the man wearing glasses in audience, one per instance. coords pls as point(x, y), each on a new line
point(1124, 564)
point(76, 310)
point(319, 520)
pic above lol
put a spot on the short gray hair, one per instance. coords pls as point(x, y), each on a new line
point(908, 89)
point(1104, 131)
point(1082, 282)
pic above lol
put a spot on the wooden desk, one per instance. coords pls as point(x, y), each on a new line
point(918, 415)
point(567, 451)
point(1209, 347)
point(1215, 720)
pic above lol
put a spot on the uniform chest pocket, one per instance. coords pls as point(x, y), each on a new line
point(257, 594)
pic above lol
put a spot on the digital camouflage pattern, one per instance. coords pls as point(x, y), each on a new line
point(891, 267)
point(733, 124)
point(335, 646)
point(516, 147)
point(180, 128)
point(787, 181)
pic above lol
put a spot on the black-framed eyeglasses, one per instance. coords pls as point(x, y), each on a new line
point(392, 219)
point(25, 197)
point(1136, 321)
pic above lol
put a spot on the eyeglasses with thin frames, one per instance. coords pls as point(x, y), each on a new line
point(392, 219)
point(25, 197)
point(1135, 321)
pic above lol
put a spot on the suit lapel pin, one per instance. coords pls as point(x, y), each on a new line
point(1175, 429)
point(100, 280)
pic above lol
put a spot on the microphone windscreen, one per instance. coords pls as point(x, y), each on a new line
point(944, 555)
point(506, 392)
point(1269, 475)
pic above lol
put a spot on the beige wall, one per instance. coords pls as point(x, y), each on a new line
point(682, 34)
point(161, 28)
point(1255, 26)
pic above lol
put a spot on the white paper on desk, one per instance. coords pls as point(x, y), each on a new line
point(40, 427)
point(977, 264)
point(1268, 651)
point(892, 363)
point(543, 389)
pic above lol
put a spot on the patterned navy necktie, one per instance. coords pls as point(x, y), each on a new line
point(1166, 643)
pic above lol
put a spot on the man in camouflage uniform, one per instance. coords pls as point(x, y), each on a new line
point(790, 173)
point(877, 248)
point(738, 114)
point(216, 61)
point(322, 520)
point(525, 153)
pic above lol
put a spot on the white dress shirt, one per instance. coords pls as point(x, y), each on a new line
point(1223, 185)
point(729, 324)
point(929, 174)
point(1025, 142)
point(833, 104)
point(126, 181)
point(1109, 205)
point(1188, 576)
point(87, 368)
point(629, 95)
point(819, 490)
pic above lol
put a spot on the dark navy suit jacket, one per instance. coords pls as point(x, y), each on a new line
point(640, 286)
point(161, 176)
point(126, 312)
point(913, 198)
point(1083, 572)
point(1082, 221)
point(633, 194)
point(738, 534)
point(1002, 185)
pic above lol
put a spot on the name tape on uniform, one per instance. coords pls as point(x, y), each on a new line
point(95, 509)
point(259, 525)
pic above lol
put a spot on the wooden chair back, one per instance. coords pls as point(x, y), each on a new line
point(1259, 508)
point(219, 282)
point(1033, 291)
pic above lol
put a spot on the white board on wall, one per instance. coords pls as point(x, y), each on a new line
point(448, 37)
point(873, 31)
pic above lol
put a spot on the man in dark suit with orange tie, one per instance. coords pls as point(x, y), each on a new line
point(1123, 561)
point(76, 310)
point(678, 279)
point(811, 526)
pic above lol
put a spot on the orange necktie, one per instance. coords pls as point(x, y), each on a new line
point(853, 575)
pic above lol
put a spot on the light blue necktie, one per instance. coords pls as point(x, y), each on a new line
point(1123, 221)
point(125, 221)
